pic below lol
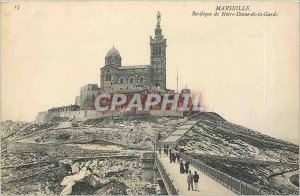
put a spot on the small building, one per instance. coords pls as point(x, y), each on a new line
point(64, 109)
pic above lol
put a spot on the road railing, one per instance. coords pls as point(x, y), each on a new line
point(166, 177)
point(228, 181)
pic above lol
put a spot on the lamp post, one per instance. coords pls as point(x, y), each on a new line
point(155, 141)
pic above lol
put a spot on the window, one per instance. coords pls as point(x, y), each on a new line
point(131, 79)
point(121, 80)
point(141, 79)
point(109, 60)
point(107, 75)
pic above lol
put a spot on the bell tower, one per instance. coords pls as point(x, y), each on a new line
point(158, 56)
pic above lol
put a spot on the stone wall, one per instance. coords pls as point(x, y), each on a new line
point(86, 99)
point(45, 116)
point(73, 114)
point(166, 113)
point(127, 75)
point(84, 114)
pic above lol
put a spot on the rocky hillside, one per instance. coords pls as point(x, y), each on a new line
point(214, 135)
point(238, 151)
point(127, 132)
point(34, 173)
point(241, 152)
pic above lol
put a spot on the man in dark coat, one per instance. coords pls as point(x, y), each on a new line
point(181, 168)
point(174, 157)
point(171, 157)
point(187, 166)
point(178, 157)
point(196, 179)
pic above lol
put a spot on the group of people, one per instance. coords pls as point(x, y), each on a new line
point(166, 150)
point(173, 155)
point(192, 179)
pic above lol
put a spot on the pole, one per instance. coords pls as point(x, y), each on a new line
point(155, 139)
point(177, 78)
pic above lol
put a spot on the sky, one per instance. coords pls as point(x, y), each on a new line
point(245, 68)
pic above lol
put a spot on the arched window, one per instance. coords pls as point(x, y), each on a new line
point(131, 79)
point(109, 60)
point(107, 75)
point(141, 79)
point(159, 51)
point(121, 80)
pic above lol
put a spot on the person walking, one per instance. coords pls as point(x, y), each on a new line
point(187, 166)
point(190, 181)
point(181, 167)
point(196, 179)
point(171, 157)
point(178, 157)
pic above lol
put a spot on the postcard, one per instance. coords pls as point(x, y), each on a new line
point(149, 98)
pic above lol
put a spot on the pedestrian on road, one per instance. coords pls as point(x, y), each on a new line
point(196, 179)
point(181, 167)
point(190, 181)
point(178, 157)
point(171, 157)
point(187, 166)
point(159, 150)
point(174, 158)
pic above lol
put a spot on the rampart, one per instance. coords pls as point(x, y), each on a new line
point(84, 114)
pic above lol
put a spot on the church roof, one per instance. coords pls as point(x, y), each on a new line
point(134, 67)
point(113, 52)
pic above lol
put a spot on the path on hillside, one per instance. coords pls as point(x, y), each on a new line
point(179, 132)
point(207, 186)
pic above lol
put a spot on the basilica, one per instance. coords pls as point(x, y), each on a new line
point(116, 78)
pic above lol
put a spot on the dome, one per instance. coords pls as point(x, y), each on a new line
point(113, 58)
point(113, 52)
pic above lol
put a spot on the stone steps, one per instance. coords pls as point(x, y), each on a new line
point(178, 133)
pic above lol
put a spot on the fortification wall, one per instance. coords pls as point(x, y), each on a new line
point(45, 116)
point(73, 114)
point(86, 99)
point(40, 117)
point(166, 113)
point(82, 114)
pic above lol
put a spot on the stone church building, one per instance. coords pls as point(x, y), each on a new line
point(115, 78)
